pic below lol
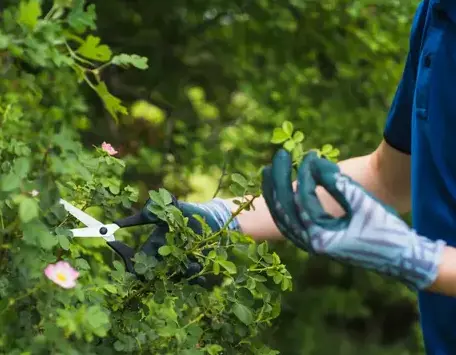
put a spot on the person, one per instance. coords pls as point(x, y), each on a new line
point(347, 211)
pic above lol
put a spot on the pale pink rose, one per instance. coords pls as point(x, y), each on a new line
point(108, 148)
point(62, 274)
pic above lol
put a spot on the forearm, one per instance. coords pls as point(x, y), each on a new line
point(259, 224)
point(445, 282)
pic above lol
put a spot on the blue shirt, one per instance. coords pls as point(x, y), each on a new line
point(422, 122)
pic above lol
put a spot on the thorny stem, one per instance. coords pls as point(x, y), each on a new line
point(219, 186)
point(75, 56)
point(233, 216)
point(197, 319)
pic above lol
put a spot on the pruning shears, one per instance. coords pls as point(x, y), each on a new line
point(96, 229)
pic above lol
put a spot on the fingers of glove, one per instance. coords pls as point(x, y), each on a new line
point(282, 181)
point(200, 280)
point(193, 268)
point(275, 209)
point(314, 171)
point(318, 238)
point(155, 241)
point(358, 197)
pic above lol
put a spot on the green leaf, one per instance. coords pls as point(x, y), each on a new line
point(82, 264)
point(239, 179)
point(263, 248)
point(278, 277)
point(298, 137)
point(286, 284)
point(237, 190)
point(259, 278)
point(98, 320)
point(165, 196)
point(213, 349)
point(156, 197)
point(275, 258)
point(279, 136)
point(9, 182)
point(251, 284)
point(63, 241)
point(140, 268)
point(80, 19)
point(29, 13)
point(245, 296)
point(268, 258)
point(164, 250)
point(91, 49)
point(28, 209)
point(287, 127)
point(327, 148)
point(131, 59)
point(289, 145)
point(22, 167)
point(216, 268)
point(110, 288)
point(252, 252)
point(243, 313)
point(112, 103)
point(228, 266)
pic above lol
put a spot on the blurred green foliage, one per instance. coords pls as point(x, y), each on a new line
point(222, 76)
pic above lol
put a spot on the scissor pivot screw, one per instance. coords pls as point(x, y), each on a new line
point(103, 230)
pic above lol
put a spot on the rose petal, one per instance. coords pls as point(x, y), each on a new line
point(62, 274)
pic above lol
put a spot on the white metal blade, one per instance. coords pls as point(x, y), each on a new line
point(88, 232)
point(96, 232)
point(89, 221)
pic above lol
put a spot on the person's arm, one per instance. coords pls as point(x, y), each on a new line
point(385, 173)
point(445, 282)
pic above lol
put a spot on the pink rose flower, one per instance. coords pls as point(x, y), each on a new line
point(62, 274)
point(108, 148)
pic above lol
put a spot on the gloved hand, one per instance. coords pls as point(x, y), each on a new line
point(370, 235)
point(215, 212)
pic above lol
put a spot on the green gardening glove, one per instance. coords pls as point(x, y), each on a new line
point(370, 235)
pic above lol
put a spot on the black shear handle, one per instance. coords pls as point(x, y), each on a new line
point(126, 253)
point(137, 219)
point(150, 247)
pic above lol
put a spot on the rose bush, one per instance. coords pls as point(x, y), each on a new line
point(60, 295)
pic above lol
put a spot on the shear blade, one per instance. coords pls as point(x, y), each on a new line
point(86, 219)
point(105, 231)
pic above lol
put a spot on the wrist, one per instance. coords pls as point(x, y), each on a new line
point(420, 262)
point(445, 283)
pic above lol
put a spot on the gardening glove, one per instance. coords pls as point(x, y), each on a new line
point(370, 235)
point(216, 214)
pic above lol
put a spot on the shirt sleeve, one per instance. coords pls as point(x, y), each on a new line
point(398, 132)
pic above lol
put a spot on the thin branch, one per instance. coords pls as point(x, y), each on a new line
point(219, 186)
